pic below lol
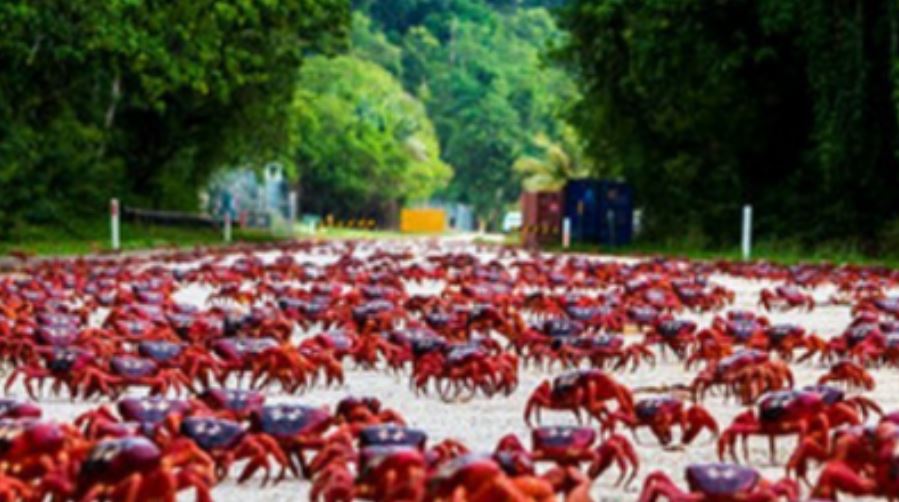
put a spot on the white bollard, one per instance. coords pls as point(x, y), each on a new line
point(747, 231)
point(227, 227)
point(566, 232)
point(114, 223)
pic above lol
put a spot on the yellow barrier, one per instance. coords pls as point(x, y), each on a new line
point(422, 220)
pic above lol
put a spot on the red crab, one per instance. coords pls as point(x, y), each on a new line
point(391, 465)
point(131, 371)
point(746, 374)
point(580, 390)
point(235, 405)
point(227, 442)
point(675, 334)
point(134, 468)
point(195, 362)
point(794, 412)
point(151, 416)
point(785, 298)
point(873, 474)
point(478, 477)
point(286, 431)
point(568, 447)
point(468, 367)
point(73, 368)
point(717, 482)
point(661, 414)
point(40, 453)
point(607, 350)
point(849, 373)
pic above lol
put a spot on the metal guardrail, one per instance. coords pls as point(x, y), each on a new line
point(161, 217)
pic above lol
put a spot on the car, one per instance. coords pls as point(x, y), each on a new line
point(512, 221)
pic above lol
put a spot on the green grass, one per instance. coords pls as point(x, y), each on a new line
point(776, 252)
point(93, 236)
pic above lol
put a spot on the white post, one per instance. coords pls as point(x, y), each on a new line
point(747, 231)
point(566, 232)
point(226, 230)
point(292, 206)
point(114, 223)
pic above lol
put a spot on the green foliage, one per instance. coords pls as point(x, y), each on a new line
point(790, 105)
point(477, 65)
point(361, 141)
point(557, 163)
point(142, 99)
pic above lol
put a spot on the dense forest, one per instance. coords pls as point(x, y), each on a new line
point(465, 93)
point(369, 104)
point(144, 99)
point(790, 105)
point(702, 105)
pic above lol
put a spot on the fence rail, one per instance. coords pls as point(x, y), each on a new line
point(163, 217)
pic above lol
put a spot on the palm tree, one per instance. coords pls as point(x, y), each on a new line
point(559, 162)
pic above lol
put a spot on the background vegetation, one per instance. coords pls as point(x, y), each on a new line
point(790, 105)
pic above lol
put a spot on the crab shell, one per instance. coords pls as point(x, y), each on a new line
point(647, 409)
point(830, 394)
point(375, 461)
point(600, 341)
point(567, 382)
point(133, 367)
point(212, 433)
point(113, 459)
point(59, 335)
point(561, 442)
point(290, 420)
point(160, 351)
point(67, 360)
point(235, 349)
point(788, 405)
point(29, 436)
point(740, 358)
point(463, 353)
point(561, 327)
point(779, 332)
point(743, 329)
point(239, 401)
point(364, 312)
point(150, 410)
point(392, 435)
point(720, 479)
point(673, 327)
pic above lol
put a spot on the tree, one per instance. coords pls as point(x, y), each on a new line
point(786, 104)
point(143, 99)
point(360, 141)
point(479, 70)
point(556, 164)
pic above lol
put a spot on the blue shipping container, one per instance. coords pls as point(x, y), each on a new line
point(600, 211)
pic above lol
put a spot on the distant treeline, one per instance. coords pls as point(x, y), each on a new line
point(790, 105)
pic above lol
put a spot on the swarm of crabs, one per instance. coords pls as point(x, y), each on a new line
point(174, 395)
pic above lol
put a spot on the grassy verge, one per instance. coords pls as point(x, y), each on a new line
point(775, 252)
point(93, 236)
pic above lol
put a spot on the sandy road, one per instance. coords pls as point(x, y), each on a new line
point(481, 422)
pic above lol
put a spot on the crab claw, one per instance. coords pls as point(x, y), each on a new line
point(539, 399)
point(698, 418)
point(619, 450)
